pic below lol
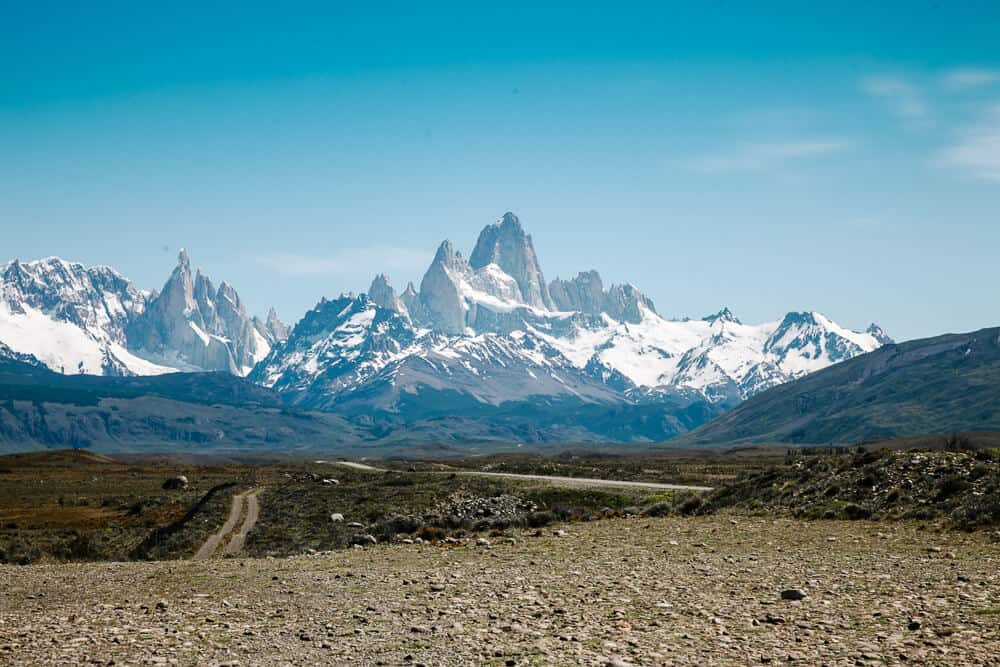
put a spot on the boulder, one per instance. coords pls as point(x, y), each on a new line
point(175, 483)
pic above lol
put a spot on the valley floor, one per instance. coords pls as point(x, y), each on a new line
point(694, 591)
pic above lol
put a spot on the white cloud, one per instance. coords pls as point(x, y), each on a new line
point(902, 97)
point(348, 261)
point(977, 151)
point(762, 156)
point(963, 79)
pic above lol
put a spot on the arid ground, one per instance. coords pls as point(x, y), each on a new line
point(428, 563)
point(698, 591)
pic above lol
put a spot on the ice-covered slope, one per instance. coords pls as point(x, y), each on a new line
point(70, 317)
point(476, 334)
point(718, 356)
point(479, 337)
point(92, 320)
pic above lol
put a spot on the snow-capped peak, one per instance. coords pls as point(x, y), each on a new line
point(725, 315)
point(79, 319)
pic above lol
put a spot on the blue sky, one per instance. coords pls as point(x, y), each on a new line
point(844, 159)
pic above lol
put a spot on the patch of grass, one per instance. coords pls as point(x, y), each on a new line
point(988, 612)
point(80, 506)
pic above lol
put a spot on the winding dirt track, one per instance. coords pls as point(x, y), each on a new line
point(244, 505)
point(554, 479)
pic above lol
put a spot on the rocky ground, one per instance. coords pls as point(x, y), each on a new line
point(642, 591)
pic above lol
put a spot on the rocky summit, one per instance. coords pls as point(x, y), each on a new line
point(483, 338)
point(190, 323)
point(487, 337)
point(93, 320)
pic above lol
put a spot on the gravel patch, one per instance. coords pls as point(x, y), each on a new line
point(644, 591)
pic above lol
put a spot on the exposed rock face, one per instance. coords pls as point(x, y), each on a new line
point(272, 328)
point(384, 296)
point(192, 325)
point(584, 293)
point(725, 315)
point(485, 340)
point(276, 328)
point(481, 335)
point(7, 354)
point(414, 306)
point(626, 303)
point(876, 332)
point(505, 244)
point(811, 336)
point(440, 290)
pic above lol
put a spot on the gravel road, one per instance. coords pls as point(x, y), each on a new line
point(554, 479)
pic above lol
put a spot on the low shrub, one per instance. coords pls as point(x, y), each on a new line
point(663, 508)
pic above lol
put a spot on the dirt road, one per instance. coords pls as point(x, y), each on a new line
point(554, 479)
point(249, 520)
point(244, 505)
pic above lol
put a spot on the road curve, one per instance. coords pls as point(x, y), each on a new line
point(554, 479)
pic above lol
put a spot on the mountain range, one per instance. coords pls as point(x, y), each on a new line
point(489, 331)
point(94, 321)
point(486, 341)
point(945, 384)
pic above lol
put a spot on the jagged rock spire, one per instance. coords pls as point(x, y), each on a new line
point(724, 315)
point(384, 296)
point(505, 244)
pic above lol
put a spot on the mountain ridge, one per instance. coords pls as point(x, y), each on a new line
point(475, 336)
point(483, 338)
point(93, 320)
point(942, 384)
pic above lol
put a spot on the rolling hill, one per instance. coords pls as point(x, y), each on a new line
point(41, 409)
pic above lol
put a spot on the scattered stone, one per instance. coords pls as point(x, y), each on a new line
point(793, 594)
point(609, 595)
